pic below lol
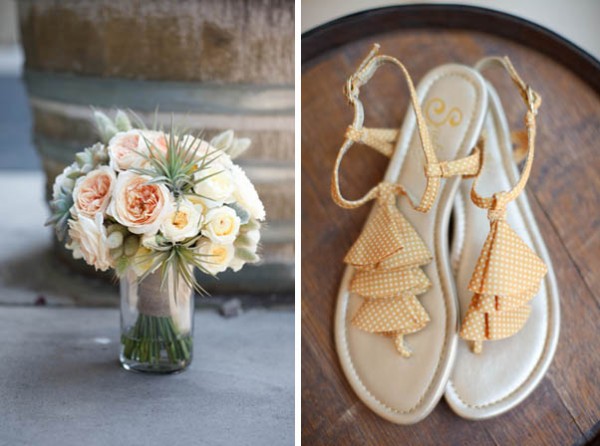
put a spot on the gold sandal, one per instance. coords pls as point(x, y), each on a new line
point(391, 262)
point(509, 298)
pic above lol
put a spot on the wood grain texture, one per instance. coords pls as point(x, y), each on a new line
point(564, 191)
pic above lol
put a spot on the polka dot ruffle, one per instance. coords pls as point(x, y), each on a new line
point(387, 257)
point(506, 277)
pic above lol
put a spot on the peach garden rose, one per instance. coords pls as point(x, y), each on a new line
point(154, 140)
point(125, 149)
point(92, 192)
point(139, 206)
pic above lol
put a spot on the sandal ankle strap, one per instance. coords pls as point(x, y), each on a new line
point(532, 100)
point(380, 141)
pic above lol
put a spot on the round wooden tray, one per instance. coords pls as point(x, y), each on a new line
point(563, 190)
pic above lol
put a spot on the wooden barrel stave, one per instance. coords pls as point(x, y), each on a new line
point(224, 41)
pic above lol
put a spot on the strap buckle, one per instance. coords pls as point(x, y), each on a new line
point(360, 76)
point(533, 100)
point(352, 87)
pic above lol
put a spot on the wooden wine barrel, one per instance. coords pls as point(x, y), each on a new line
point(212, 64)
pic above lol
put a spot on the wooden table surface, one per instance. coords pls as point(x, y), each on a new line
point(564, 191)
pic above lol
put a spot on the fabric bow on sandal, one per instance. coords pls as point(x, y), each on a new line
point(388, 255)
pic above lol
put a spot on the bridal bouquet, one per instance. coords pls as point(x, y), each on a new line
point(154, 205)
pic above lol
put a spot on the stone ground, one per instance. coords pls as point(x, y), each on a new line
point(61, 384)
point(60, 381)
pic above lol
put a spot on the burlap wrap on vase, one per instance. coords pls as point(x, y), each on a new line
point(151, 299)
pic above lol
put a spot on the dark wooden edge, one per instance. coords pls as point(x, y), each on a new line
point(318, 41)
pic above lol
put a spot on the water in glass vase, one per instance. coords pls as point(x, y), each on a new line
point(156, 324)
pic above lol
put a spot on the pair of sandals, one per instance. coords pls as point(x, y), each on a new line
point(416, 318)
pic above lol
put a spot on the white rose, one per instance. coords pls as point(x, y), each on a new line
point(216, 257)
point(245, 194)
point(88, 241)
point(216, 186)
point(222, 225)
point(182, 222)
point(139, 206)
point(125, 149)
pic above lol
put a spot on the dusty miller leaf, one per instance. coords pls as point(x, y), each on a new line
point(122, 121)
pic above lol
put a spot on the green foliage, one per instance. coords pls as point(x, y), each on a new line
point(246, 255)
point(122, 121)
point(177, 258)
point(243, 215)
point(151, 336)
point(180, 168)
point(227, 142)
point(61, 211)
point(106, 128)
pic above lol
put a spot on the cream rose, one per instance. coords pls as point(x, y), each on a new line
point(217, 185)
point(216, 257)
point(245, 194)
point(182, 222)
point(198, 202)
point(222, 225)
point(125, 149)
point(142, 261)
point(88, 241)
point(139, 206)
point(93, 191)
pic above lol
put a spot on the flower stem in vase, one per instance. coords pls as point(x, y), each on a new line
point(160, 339)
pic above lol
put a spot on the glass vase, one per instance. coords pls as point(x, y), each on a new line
point(157, 324)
